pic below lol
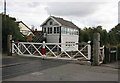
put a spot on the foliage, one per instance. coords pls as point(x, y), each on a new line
point(106, 38)
point(10, 27)
point(114, 35)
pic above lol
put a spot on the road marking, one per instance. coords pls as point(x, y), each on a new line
point(37, 73)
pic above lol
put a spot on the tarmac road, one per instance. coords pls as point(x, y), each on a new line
point(17, 66)
point(35, 69)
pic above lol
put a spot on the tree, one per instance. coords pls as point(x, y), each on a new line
point(114, 35)
point(9, 27)
point(87, 34)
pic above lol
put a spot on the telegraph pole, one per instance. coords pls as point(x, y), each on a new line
point(5, 7)
point(5, 11)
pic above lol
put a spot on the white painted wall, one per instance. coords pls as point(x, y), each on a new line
point(69, 38)
point(48, 25)
point(53, 22)
point(23, 27)
point(24, 30)
point(53, 38)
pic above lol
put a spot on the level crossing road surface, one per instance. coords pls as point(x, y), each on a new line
point(18, 68)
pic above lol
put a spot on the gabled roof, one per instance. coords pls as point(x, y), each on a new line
point(62, 22)
point(24, 24)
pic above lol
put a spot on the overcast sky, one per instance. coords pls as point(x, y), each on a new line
point(83, 13)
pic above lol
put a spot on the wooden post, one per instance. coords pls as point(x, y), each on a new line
point(13, 46)
point(89, 50)
point(109, 55)
point(116, 53)
point(9, 45)
point(96, 49)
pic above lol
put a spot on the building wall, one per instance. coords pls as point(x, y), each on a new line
point(47, 25)
point(24, 30)
point(23, 27)
point(68, 35)
point(69, 39)
point(53, 38)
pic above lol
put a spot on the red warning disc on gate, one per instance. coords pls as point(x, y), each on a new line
point(43, 51)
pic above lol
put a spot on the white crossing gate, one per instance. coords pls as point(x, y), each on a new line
point(101, 55)
point(53, 50)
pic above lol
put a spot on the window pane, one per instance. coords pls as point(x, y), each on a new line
point(50, 23)
point(77, 32)
point(73, 31)
point(57, 29)
point(69, 31)
point(62, 30)
point(54, 29)
point(50, 30)
point(44, 30)
point(66, 30)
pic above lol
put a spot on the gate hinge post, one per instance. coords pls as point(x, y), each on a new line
point(89, 50)
point(43, 50)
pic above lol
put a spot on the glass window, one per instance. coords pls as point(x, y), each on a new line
point(77, 32)
point(54, 29)
point(44, 30)
point(50, 29)
point(62, 31)
point(51, 23)
point(67, 31)
point(73, 31)
point(70, 31)
point(58, 29)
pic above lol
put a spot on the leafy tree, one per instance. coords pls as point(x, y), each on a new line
point(114, 35)
point(9, 27)
point(87, 34)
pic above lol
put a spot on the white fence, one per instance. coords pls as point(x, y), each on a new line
point(101, 55)
point(55, 51)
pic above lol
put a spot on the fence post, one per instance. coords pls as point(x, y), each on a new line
point(96, 49)
point(13, 46)
point(89, 50)
point(43, 50)
point(18, 48)
point(116, 53)
point(109, 56)
point(105, 53)
point(9, 45)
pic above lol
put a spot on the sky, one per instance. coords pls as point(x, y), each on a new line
point(83, 13)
